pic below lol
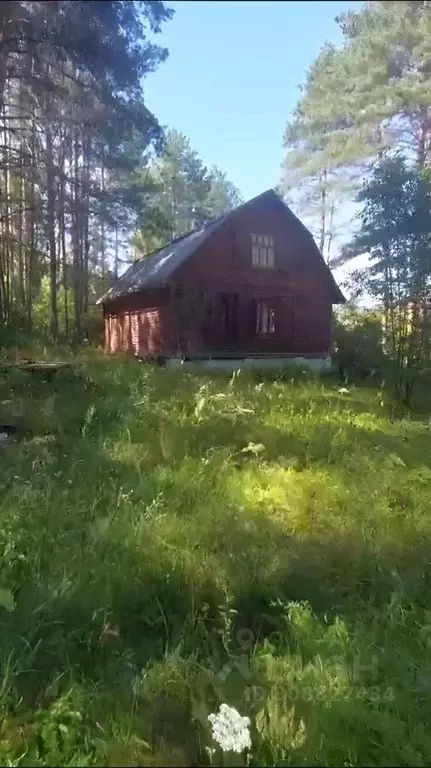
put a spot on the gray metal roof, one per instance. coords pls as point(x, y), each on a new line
point(152, 270)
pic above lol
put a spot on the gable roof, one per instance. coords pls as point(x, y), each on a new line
point(156, 268)
point(153, 270)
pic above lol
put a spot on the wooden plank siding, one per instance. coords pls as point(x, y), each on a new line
point(140, 323)
point(170, 320)
point(302, 302)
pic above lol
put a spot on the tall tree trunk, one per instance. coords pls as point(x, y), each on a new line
point(7, 218)
point(21, 244)
point(323, 182)
point(9, 13)
point(62, 227)
point(330, 233)
point(77, 240)
point(102, 224)
point(50, 216)
point(424, 139)
point(116, 253)
point(86, 229)
point(31, 237)
point(22, 214)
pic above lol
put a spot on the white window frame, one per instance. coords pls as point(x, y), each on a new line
point(265, 318)
point(262, 251)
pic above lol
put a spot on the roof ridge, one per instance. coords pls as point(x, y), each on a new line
point(158, 266)
point(182, 237)
point(208, 224)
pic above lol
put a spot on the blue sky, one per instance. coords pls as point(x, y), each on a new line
point(230, 81)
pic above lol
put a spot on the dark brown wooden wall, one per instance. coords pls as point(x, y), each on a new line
point(298, 283)
point(149, 323)
point(141, 323)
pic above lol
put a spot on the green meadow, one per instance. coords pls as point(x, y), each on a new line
point(173, 540)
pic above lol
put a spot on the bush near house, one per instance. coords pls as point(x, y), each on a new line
point(358, 341)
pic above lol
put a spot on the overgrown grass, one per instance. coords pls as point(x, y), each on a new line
point(172, 541)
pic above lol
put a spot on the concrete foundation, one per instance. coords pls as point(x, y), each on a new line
point(316, 364)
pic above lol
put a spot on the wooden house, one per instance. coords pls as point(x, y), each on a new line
point(249, 285)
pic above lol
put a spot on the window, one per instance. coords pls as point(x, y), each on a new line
point(262, 250)
point(228, 312)
point(265, 318)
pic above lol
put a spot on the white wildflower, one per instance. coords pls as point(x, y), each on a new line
point(230, 730)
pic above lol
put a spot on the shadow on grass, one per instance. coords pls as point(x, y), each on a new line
point(96, 570)
point(111, 583)
point(109, 608)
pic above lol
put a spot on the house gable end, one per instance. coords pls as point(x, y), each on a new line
point(264, 224)
point(225, 245)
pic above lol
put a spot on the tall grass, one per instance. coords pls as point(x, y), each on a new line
point(170, 541)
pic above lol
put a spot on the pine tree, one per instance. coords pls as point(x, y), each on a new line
point(71, 102)
point(184, 194)
point(395, 232)
point(373, 92)
point(361, 100)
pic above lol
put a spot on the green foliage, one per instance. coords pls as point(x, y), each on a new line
point(95, 326)
point(396, 222)
point(223, 196)
point(109, 39)
point(171, 541)
point(357, 102)
point(42, 308)
point(375, 89)
point(184, 194)
point(358, 341)
point(83, 123)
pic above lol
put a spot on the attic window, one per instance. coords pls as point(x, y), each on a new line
point(262, 250)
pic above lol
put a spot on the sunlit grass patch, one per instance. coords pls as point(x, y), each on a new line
point(173, 540)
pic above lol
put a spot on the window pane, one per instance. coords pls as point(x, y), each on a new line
point(263, 250)
point(258, 316)
point(265, 318)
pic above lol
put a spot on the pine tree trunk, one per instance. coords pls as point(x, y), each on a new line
point(32, 227)
point(77, 239)
point(330, 234)
point(86, 228)
point(424, 142)
point(116, 254)
point(62, 228)
point(50, 218)
point(7, 221)
point(64, 263)
point(323, 181)
point(102, 225)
